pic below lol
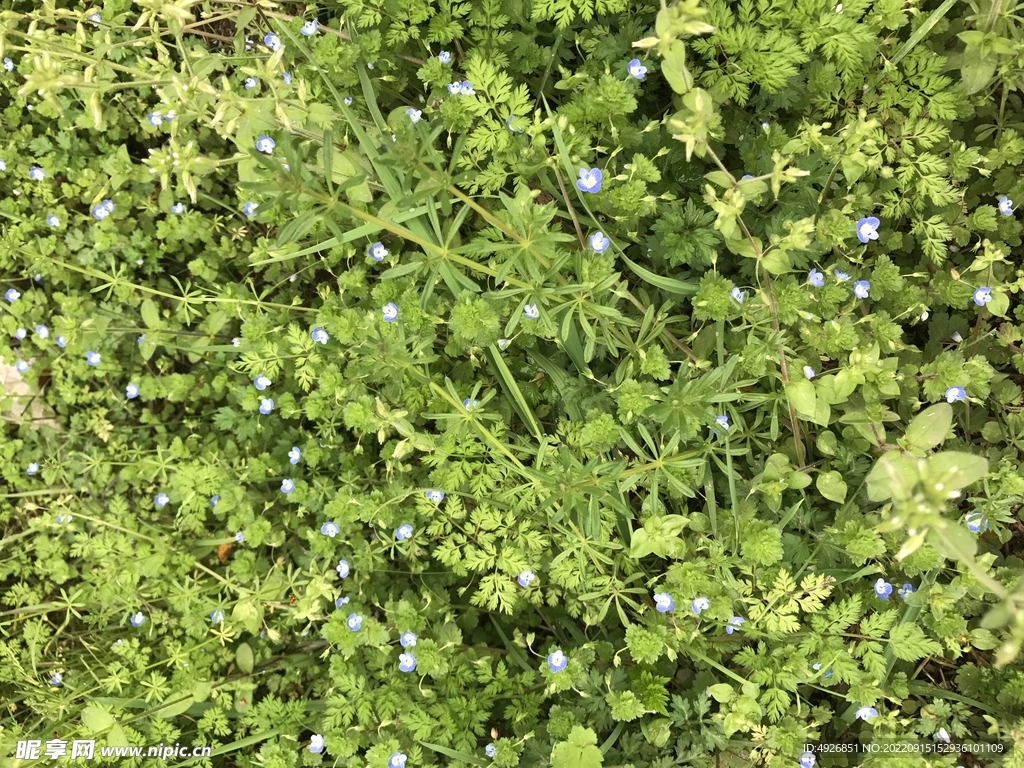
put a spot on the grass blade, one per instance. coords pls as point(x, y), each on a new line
point(508, 383)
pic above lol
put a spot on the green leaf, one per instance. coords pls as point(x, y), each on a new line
point(508, 384)
point(832, 486)
point(150, 314)
point(928, 429)
point(956, 470)
point(801, 396)
point(456, 755)
point(723, 693)
point(244, 658)
point(176, 706)
point(667, 284)
point(96, 719)
point(977, 69)
point(999, 305)
point(891, 471)
point(249, 615)
point(580, 751)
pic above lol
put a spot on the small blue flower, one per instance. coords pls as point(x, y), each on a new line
point(942, 735)
point(975, 522)
point(700, 604)
point(100, 211)
point(272, 41)
point(92, 358)
point(310, 28)
point(883, 588)
point(531, 311)
point(807, 760)
point(53, 221)
point(905, 591)
point(734, 623)
point(56, 680)
point(508, 124)
point(95, 18)
point(1006, 206)
point(61, 342)
point(266, 405)
point(32, 469)
point(867, 229)
point(817, 667)
point(155, 118)
point(390, 312)
point(524, 578)
point(160, 500)
point(329, 529)
point(178, 208)
point(342, 569)
point(955, 394)
point(340, 602)
point(354, 622)
point(809, 372)
point(746, 176)
point(470, 405)
point(444, 57)
point(239, 537)
point(12, 295)
point(636, 69)
point(38, 278)
point(142, 338)
point(217, 616)
point(955, 336)
point(722, 421)
point(21, 366)
point(397, 760)
point(590, 180)
point(599, 243)
point(664, 603)
point(319, 335)
point(249, 209)
point(841, 276)
point(866, 713)
point(265, 144)
point(348, 101)
point(861, 288)
point(287, 77)
point(294, 455)
point(261, 382)
point(815, 278)
point(403, 532)
point(9, 66)
point(453, 88)
point(503, 344)
point(738, 295)
point(466, 88)
point(435, 496)
point(414, 115)
point(213, 500)
point(137, 620)
point(377, 252)
point(316, 744)
point(250, 83)
point(407, 639)
point(36, 173)
point(557, 661)
point(490, 750)
point(982, 296)
point(171, 114)
point(131, 391)
point(20, 334)
point(406, 662)
point(287, 486)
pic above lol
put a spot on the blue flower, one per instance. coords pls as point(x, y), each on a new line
point(746, 176)
point(36, 173)
point(340, 602)
point(723, 421)
point(319, 335)
point(589, 180)
point(354, 622)
point(377, 252)
point(239, 537)
point(942, 735)
point(470, 405)
point(343, 569)
point(664, 603)
point(32, 469)
point(9, 66)
point(294, 455)
point(178, 208)
point(883, 588)
point(490, 750)
point(453, 88)
point(329, 529)
point(435, 496)
point(266, 406)
point(466, 88)
point(807, 760)
point(137, 620)
point(861, 288)
point(213, 500)
point(841, 276)
point(12, 295)
point(503, 344)
point(56, 680)
point(905, 591)
point(236, 342)
point(599, 243)
point(866, 713)
point(171, 114)
point(95, 18)
point(272, 41)
point(316, 744)
point(444, 57)
point(636, 69)
point(61, 342)
point(261, 382)
point(809, 372)
point(250, 83)
point(131, 391)
point(155, 118)
point(1006, 206)
point(982, 296)
point(975, 522)
point(397, 760)
point(734, 623)
point(955, 336)
point(414, 115)
point(160, 500)
point(287, 77)
point(21, 366)
point(142, 338)
point(700, 604)
point(20, 334)
point(287, 486)
point(348, 101)
point(828, 672)
point(38, 278)
point(100, 211)
point(310, 28)
point(92, 358)
point(955, 394)
point(390, 312)
point(53, 221)
point(217, 616)
point(408, 639)
point(406, 662)
point(557, 661)
point(738, 295)
point(525, 577)
point(403, 532)
point(531, 312)
point(867, 229)
point(249, 209)
point(265, 144)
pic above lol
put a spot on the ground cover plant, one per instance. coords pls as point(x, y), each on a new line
point(569, 382)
